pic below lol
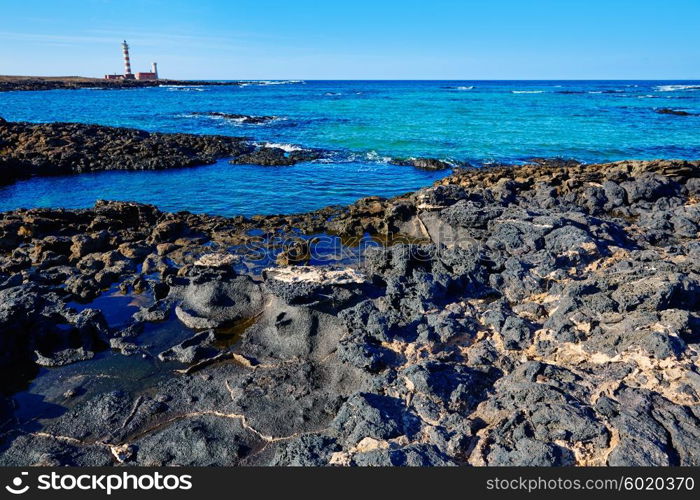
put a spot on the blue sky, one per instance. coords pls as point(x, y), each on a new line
point(358, 39)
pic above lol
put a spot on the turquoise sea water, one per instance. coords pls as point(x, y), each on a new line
point(364, 124)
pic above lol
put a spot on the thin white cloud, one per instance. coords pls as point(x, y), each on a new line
point(150, 40)
point(38, 37)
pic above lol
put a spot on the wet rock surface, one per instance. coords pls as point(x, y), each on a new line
point(247, 119)
point(546, 314)
point(276, 157)
point(425, 163)
point(671, 111)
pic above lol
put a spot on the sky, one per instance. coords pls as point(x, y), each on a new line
point(355, 39)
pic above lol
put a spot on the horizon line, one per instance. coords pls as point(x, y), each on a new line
point(388, 79)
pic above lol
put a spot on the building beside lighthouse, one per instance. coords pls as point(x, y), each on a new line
point(148, 75)
point(128, 75)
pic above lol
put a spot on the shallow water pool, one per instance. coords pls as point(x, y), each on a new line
point(222, 188)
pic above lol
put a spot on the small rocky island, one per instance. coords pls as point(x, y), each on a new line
point(544, 314)
point(44, 149)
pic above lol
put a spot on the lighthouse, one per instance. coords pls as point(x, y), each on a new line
point(128, 75)
point(127, 63)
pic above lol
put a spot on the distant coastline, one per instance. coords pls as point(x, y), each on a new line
point(15, 83)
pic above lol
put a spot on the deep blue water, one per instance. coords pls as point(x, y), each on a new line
point(365, 123)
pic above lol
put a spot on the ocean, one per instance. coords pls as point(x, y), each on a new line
point(365, 124)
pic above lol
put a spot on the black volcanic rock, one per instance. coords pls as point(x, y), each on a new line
point(247, 119)
point(545, 315)
point(670, 111)
point(272, 156)
point(28, 149)
point(424, 163)
point(75, 83)
point(64, 148)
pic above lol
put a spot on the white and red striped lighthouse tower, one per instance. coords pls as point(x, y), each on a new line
point(127, 63)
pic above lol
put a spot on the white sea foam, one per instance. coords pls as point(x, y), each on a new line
point(286, 147)
point(376, 157)
point(357, 157)
point(527, 91)
point(272, 82)
point(184, 88)
point(181, 86)
point(676, 88)
point(239, 120)
point(235, 120)
point(469, 87)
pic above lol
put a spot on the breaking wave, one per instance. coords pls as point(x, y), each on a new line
point(270, 82)
point(184, 88)
point(676, 88)
point(283, 146)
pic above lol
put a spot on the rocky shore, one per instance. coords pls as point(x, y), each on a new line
point(39, 149)
point(545, 314)
point(8, 84)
